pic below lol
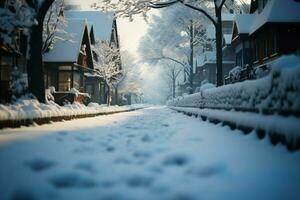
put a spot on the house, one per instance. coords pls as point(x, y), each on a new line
point(66, 63)
point(206, 62)
point(270, 30)
point(101, 26)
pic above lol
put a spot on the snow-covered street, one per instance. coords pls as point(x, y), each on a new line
point(153, 153)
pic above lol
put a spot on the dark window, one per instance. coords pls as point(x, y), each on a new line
point(5, 67)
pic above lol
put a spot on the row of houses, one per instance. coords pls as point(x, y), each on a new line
point(254, 40)
point(69, 63)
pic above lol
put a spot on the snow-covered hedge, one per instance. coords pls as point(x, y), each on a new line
point(32, 109)
point(277, 92)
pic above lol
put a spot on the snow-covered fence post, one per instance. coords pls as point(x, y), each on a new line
point(35, 70)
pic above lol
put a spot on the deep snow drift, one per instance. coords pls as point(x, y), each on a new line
point(154, 153)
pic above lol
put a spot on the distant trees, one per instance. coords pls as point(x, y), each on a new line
point(172, 72)
point(128, 8)
point(175, 36)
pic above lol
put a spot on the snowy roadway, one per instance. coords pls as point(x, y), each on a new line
point(154, 153)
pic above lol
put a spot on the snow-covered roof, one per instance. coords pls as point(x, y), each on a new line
point(277, 11)
point(227, 17)
point(227, 38)
point(210, 29)
point(207, 56)
point(67, 50)
point(101, 22)
point(243, 23)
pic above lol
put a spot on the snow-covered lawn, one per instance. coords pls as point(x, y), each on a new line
point(154, 153)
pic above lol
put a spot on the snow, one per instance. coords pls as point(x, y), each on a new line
point(206, 57)
point(67, 50)
point(101, 22)
point(277, 11)
point(153, 153)
point(227, 38)
point(287, 126)
point(243, 23)
point(32, 109)
point(235, 73)
point(278, 91)
point(227, 17)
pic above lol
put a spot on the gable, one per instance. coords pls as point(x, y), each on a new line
point(67, 50)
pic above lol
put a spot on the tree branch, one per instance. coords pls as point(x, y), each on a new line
point(162, 5)
point(202, 11)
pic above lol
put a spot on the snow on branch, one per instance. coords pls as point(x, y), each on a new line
point(54, 25)
point(108, 64)
point(15, 16)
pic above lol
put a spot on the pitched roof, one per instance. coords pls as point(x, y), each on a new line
point(277, 11)
point(101, 22)
point(67, 50)
point(243, 23)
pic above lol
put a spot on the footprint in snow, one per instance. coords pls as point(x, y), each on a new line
point(86, 166)
point(165, 125)
point(175, 160)
point(139, 181)
point(110, 149)
point(39, 164)
point(62, 133)
point(83, 138)
point(182, 196)
point(207, 171)
point(72, 180)
point(146, 138)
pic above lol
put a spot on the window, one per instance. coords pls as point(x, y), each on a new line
point(265, 48)
point(5, 67)
point(64, 81)
point(274, 43)
point(90, 89)
point(77, 81)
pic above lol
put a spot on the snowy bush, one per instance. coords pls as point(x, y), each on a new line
point(17, 15)
point(235, 73)
point(279, 91)
point(19, 85)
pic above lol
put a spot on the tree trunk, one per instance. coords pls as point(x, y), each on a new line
point(116, 96)
point(35, 64)
point(108, 99)
point(35, 71)
point(219, 40)
point(173, 87)
point(191, 76)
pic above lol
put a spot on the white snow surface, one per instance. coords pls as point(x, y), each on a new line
point(154, 153)
point(32, 109)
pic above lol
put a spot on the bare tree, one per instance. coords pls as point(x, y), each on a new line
point(172, 73)
point(54, 25)
point(128, 8)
